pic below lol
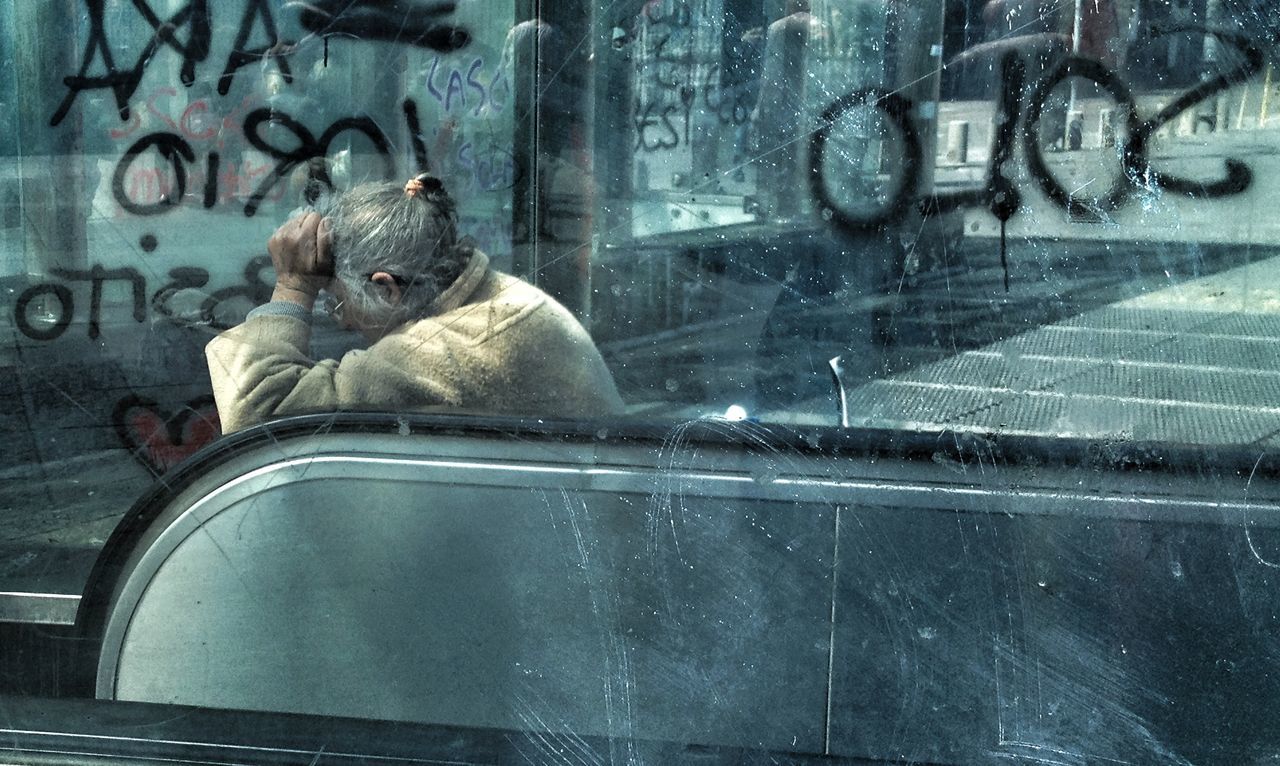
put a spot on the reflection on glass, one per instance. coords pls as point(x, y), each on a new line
point(702, 258)
point(444, 329)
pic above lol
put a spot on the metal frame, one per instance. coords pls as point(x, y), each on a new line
point(712, 458)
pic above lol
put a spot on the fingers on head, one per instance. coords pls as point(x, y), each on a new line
point(324, 237)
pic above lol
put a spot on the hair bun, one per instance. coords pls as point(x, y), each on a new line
point(427, 185)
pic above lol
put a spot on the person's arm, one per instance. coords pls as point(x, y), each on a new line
point(263, 367)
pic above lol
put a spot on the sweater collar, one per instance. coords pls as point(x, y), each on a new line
point(456, 294)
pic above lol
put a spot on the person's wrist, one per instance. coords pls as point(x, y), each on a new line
point(300, 294)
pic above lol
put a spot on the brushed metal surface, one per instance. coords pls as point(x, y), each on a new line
point(722, 594)
point(39, 608)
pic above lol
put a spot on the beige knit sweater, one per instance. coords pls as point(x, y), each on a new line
point(492, 344)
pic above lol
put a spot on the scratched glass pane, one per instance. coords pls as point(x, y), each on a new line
point(859, 148)
point(641, 380)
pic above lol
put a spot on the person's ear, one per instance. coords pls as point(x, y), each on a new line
point(388, 285)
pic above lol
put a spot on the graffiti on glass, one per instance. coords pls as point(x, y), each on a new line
point(58, 299)
point(160, 439)
point(1000, 195)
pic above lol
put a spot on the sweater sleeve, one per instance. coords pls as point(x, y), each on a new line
point(262, 368)
point(525, 355)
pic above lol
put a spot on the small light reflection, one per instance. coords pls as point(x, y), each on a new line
point(735, 412)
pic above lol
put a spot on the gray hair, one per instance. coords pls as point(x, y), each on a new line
point(414, 237)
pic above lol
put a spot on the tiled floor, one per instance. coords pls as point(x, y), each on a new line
point(1198, 362)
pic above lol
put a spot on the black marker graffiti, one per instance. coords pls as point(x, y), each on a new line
point(181, 278)
point(416, 23)
point(490, 169)
point(211, 180)
point(196, 17)
point(999, 195)
point(123, 84)
point(673, 92)
point(174, 149)
point(65, 305)
point(307, 148)
point(176, 153)
point(1239, 177)
point(655, 130)
point(252, 291)
point(732, 105)
point(414, 125)
point(96, 277)
point(898, 109)
point(242, 56)
point(1133, 156)
point(662, 124)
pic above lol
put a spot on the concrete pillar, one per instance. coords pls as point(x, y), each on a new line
point(1264, 108)
point(553, 205)
point(1215, 115)
point(1213, 19)
point(1222, 112)
point(957, 152)
point(55, 199)
point(1106, 128)
point(919, 26)
point(1165, 130)
point(525, 210)
point(921, 245)
point(704, 131)
point(1187, 123)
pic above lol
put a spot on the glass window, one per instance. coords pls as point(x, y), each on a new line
point(836, 251)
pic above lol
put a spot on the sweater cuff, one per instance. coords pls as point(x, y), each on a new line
point(281, 309)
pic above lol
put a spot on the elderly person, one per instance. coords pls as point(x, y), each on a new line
point(446, 331)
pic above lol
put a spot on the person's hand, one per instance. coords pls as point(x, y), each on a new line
point(302, 255)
